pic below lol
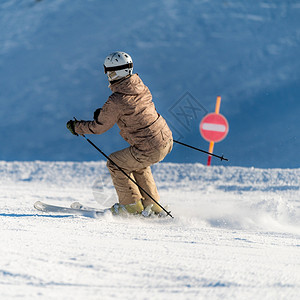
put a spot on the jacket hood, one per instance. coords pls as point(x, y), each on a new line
point(132, 85)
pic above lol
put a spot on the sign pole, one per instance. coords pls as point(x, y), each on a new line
point(211, 143)
point(210, 150)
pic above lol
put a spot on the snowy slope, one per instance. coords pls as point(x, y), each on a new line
point(235, 235)
point(51, 58)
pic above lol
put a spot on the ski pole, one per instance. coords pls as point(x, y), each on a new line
point(221, 157)
point(168, 212)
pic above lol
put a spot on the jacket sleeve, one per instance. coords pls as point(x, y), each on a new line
point(106, 119)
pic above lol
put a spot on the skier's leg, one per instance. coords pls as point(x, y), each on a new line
point(145, 179)
point(127, 191)
point(144, 176)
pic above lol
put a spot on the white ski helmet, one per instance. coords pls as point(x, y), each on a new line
point(118, 65)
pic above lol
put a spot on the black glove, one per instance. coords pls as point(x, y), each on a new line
point(71, 126)
point(97, 113)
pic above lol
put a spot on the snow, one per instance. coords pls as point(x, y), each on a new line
point(235, 235)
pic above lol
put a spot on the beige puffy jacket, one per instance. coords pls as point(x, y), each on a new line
point(131, 107)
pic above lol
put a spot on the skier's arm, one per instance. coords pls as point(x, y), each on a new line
point(105, 118)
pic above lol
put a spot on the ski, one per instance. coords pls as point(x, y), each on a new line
point(76, 208)
point(147, 213)
point(86, 212)
point(78, 205)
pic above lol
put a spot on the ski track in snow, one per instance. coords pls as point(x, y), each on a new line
point(235, 235)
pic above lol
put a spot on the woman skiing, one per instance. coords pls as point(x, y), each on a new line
point(131, 107)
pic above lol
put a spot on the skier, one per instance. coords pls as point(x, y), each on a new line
point(131, 107)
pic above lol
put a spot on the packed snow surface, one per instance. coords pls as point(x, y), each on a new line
point(235, 235)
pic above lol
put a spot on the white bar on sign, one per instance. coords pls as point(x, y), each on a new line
point(214, 127)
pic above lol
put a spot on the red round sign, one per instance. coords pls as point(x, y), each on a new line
point(214, 127)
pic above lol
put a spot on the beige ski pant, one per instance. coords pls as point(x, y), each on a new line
point(136, 164)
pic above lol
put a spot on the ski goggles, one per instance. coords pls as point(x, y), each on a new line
point(117, 68)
